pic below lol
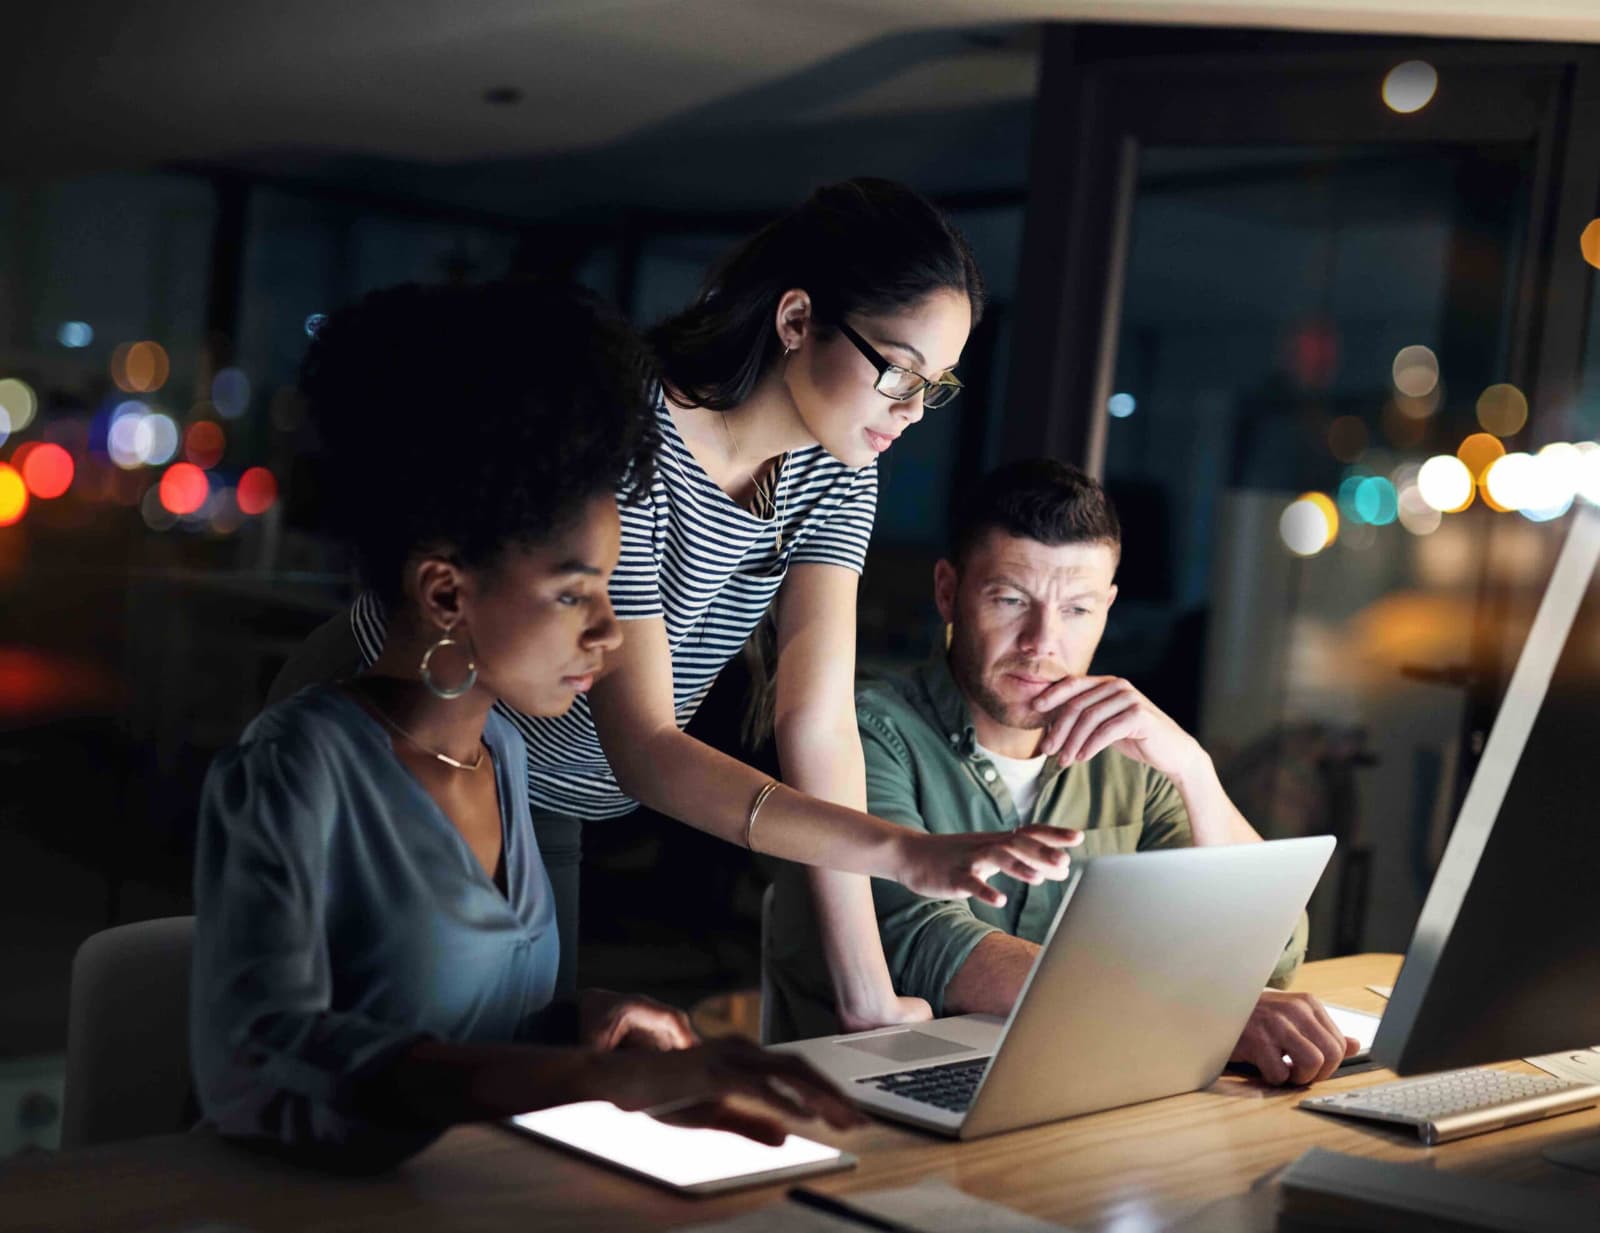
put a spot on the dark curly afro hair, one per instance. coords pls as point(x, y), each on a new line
point(474, 417)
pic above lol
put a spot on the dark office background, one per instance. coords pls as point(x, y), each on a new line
point(1205, 250)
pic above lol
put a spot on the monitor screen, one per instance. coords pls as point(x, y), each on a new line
point(1505, 960)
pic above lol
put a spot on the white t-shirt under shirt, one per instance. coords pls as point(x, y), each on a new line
point(1021, 778)
point(710, 568)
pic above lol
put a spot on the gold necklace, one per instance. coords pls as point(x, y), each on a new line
point(454, 763)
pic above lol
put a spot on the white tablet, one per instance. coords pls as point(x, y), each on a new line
point(687, 1160)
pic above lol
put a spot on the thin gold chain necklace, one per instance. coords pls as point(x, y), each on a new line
point(455, 763)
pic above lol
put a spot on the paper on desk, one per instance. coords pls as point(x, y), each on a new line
point(1383, 991)
point(1578, 1065)
point(1360, 1024)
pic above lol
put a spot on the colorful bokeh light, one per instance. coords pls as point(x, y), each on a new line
point(257, 492)
point(184, 488)
point(1410, 86)
point(1502, 410)
point(48, 471)
point(1309, 524)
point(18, 401)
point(1589, 243)
point(204, 443)
point(141, 367)
point(1445, 484)
point(13, 496)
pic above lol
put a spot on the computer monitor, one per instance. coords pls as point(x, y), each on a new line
point(1505, 960)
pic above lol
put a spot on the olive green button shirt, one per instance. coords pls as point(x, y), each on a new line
point(925, 770)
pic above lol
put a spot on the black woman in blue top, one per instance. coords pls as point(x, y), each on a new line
point(376, 943)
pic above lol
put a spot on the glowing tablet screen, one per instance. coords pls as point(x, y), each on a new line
point(675, 1155)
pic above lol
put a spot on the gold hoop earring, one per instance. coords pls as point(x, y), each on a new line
point(455, 691)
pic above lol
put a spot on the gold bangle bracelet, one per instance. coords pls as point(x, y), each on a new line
point(767, 789)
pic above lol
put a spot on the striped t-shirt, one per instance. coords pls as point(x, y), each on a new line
point(691, 555)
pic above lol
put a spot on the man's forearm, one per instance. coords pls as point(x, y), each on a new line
point(991, 979)
point(1213, 818)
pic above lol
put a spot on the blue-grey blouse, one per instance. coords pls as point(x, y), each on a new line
point(341, 917)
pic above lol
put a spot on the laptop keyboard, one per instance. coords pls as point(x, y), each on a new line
point(950, 1086)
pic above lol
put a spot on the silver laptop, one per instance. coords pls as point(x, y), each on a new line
point(1141, 989)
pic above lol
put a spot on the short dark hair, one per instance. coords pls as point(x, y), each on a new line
point(474, 417)
point(861, 246)
point(1039, 499)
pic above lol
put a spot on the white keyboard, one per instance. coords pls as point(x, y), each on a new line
point(1460, 1102)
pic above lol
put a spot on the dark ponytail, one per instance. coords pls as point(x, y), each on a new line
point(862, 246)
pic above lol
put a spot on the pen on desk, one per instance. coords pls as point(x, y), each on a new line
point(835, 1207)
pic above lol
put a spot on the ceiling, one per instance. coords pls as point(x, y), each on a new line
point(359, 90)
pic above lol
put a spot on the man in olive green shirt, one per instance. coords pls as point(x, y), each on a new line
point(1006, 728)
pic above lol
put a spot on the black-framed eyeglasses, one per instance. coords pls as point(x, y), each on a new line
point(902, 383)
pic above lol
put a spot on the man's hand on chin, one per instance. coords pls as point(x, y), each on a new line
point(1290, 1038)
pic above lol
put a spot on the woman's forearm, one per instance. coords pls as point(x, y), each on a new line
point(684, 778)
point(824, 760)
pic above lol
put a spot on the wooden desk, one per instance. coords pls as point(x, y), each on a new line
point(1143, 1167)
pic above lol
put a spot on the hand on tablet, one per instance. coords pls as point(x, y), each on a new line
point(609, 1020)
point(1291, 1038)
point(727, 1084)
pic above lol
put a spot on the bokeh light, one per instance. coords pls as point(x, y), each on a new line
point(1416, 372)
point(1502, 410)
point(1347, 438)
point(1589, 243)
point(1415, 514)
point(1376, 501)
point(1419, 408)
point(257, 492)
point(1478, 451)
point(1314, 354)
point(123, 443)
point(47, 471)
point(157, 439)
point(19, 403)
point(184, 488)
point(75, 334)
point(1121, 406)
point(156, 515)
point(1445, 484)
point(140, 368)
point(230, 391)
point(223, 513)
point(1558, 472)
point(204, 443)
point(1345, 497)
point(1410, 86)
point(5, 425)
point(1309, 524)
point(1510, 481)
point(1589, 471)
point(13, 496)
point(314, 323)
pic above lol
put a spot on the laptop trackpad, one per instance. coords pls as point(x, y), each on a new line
point(906, 1046)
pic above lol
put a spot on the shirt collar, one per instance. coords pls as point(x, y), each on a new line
point(947, 707)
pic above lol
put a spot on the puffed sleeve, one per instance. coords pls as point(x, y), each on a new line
point(844, 523)
point(272, 1062)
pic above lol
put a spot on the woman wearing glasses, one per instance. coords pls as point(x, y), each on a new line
point(812, 347)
